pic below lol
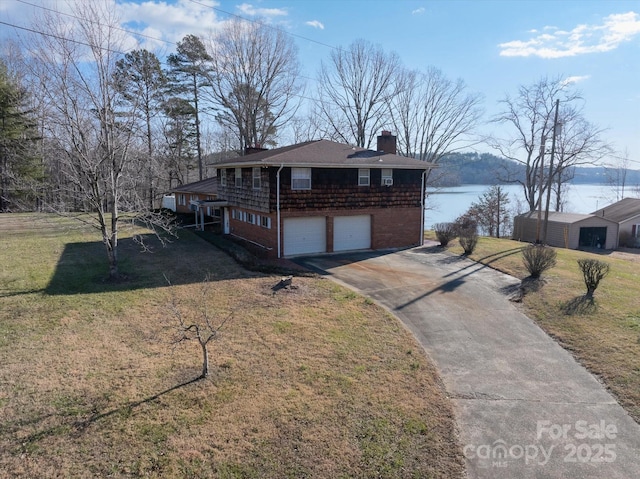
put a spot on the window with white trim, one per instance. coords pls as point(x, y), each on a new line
point(265, 222)
point(238, 177)
point(223, 177)
point(387, 177)
point(182, 199)
point(300, 178)
point(364, 175)
point(251, 218)
point(257, 178)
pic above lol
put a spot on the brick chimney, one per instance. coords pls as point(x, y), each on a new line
point(387, 142)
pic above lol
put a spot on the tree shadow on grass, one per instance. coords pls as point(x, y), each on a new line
point(82, 425)
point(580, 305)
point(83, 267)
point(79, 427)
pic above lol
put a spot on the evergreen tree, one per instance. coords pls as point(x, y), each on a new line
point(142, 83)
point(188, 72)
point(180, 139)
point(490, 213)
point(19, 166)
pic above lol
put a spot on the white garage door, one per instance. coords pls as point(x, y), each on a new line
point(351, 232)
point(305, 235)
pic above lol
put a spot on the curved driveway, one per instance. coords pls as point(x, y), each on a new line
point(524, 407)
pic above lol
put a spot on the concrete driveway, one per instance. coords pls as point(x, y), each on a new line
point(525, 408)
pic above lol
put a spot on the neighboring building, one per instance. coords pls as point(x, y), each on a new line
point(626, 213)
point(610, 227)
point(321, 196)
point(567, 230)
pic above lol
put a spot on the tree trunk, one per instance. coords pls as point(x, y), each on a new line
point(205, 359)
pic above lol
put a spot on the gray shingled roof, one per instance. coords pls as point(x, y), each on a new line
point(208, 186)
point(558, 217)
point(563, 218)
point(623, 210)
point(325, 154)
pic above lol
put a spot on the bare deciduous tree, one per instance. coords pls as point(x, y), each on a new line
point(253, 80)
point(617, 172)
point(354, 91)
point(198, 325)
point(433, 115)
point(578, 142)
point(531, 114)
point(73, 65)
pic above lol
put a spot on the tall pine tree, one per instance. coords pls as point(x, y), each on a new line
point(20, 169)
point(188, 71)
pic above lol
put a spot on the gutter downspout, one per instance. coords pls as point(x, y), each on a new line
point(278, 207)
point(423, 206)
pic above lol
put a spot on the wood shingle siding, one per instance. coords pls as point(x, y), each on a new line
point(338, 189)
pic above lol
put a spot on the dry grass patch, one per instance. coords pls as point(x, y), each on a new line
point(605, 335)
point(312, 381)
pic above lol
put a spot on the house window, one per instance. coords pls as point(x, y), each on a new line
point(223, 177)
point(300, 178)
point(194, 197)
point(257, 177)
point(387, 177)
point(251, 218)
point(363, 177)
point(238, 177)
point(182, 200)
point(265, 222)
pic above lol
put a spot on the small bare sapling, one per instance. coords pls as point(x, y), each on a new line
point(197, 322)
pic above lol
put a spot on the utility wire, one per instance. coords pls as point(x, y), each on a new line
point(57, 12)
point(59, 37)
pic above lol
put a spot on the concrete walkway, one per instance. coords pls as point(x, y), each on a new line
point(525, 408)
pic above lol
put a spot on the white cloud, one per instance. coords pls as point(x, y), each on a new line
point(418, 11)
point(172, 20)
point(315, 24)
point(575, 79)
point(250, 10)
point(614, 30)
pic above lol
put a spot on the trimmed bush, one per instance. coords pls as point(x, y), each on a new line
point(538, 259)
point(468, 239)
point(445, 232)
point(593, 271)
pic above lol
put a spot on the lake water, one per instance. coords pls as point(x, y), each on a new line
point(446, 204)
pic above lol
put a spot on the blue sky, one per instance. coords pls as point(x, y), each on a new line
point(493, 45)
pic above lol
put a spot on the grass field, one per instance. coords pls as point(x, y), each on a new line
point(605, 336)
point(309, 382)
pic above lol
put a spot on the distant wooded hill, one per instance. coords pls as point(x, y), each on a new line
point(487, 169)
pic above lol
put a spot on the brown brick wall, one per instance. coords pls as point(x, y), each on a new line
point(266, 238)
point(396, 228)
